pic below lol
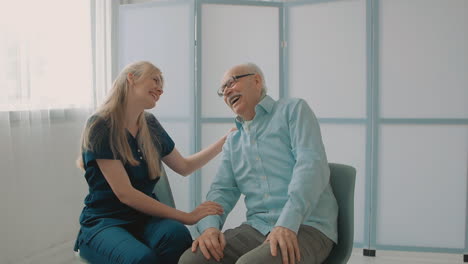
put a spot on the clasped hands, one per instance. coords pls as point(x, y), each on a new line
point(212, 244)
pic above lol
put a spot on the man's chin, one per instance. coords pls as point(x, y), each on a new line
point(235, 110)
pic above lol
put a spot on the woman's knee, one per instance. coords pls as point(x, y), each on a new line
point(177, 233)
point(169, 239)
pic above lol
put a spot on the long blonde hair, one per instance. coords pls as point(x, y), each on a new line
point(112, 112)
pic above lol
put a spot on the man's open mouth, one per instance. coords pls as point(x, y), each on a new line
point(234, 99)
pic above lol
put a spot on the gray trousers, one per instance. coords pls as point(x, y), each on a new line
point(244, 245)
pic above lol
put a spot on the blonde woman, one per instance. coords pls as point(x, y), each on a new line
point(122, 149)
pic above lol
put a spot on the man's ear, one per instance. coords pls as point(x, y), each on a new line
point(258, 81)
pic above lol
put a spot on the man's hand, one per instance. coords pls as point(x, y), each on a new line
point(288, 244)
point(211, 244)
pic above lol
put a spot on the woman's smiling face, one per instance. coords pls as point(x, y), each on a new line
point(148, 89)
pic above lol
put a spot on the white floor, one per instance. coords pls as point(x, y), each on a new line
point(402, 257)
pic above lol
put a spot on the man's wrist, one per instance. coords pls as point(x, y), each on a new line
point(211, 230)
point(290, 219)
point(207, 222)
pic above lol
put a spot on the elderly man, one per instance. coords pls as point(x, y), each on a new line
point(277, 160)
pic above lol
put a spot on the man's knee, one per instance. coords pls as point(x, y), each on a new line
point(249, 259)
point(192, 258)
point(259, 255)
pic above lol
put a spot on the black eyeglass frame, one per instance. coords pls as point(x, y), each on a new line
point(234, 79)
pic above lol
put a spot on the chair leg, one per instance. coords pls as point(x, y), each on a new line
point(368, 252)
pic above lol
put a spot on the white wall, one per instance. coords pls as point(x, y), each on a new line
point(42, 191)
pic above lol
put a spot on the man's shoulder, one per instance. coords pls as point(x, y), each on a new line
point(233, 136)
point(290, 103)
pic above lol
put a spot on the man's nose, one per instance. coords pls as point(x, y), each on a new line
point(228, 91)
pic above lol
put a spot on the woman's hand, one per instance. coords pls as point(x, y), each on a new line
point(204, 209)
point(230, 130)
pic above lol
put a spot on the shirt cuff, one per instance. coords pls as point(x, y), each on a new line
point(207, 222)
point(290, 219)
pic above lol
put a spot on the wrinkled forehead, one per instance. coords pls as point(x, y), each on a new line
point(238, 70)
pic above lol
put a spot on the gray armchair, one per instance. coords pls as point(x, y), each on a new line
point(163, 189)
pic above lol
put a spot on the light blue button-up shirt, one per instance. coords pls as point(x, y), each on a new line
point(280, 165)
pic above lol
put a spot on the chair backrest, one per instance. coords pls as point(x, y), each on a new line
point(342, 180)
point(163, 190)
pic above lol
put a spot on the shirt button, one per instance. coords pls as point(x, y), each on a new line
point(266, 195)
point(138, 150)
point(257, 158)
point(264, 178)
point(253, 141)
point(141, 157)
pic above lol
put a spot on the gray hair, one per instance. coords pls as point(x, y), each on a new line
point(252, 67)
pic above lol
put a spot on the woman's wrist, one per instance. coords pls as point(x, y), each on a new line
point(184, 218)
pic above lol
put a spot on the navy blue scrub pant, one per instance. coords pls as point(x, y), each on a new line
point(157, 241)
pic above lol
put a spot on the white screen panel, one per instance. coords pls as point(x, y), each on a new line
point(421, 192)
point(210, 133)
point(327, 57)
point(424, 58)
point(233, 35)
point(162, 34)
point(181, 134)
point(346, 144)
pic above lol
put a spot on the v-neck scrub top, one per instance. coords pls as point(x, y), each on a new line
point(102, 207)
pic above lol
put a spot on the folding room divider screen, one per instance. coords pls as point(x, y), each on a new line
point(387, 80)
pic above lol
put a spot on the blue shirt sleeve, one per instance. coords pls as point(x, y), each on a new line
point(311, 173)
point(223, 190)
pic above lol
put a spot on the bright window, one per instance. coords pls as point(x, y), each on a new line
point(45, 55)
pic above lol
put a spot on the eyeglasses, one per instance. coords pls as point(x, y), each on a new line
point(230, 82)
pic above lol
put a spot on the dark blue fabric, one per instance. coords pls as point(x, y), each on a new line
point(157, 241)
point(102, 207)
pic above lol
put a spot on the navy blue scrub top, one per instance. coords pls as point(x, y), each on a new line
point(102, 208)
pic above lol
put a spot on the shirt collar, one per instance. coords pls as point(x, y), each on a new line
point(266, 104)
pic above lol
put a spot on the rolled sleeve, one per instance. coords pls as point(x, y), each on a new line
point(208, 222)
